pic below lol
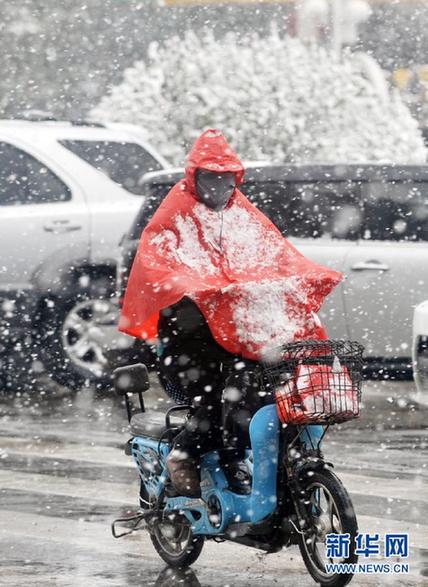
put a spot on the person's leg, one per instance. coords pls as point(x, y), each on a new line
point(198, 377)
point(241, 400)
point(202, 431)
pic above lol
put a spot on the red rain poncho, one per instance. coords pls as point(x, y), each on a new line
point(255, 290)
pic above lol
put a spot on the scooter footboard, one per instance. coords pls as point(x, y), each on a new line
point(150, 457)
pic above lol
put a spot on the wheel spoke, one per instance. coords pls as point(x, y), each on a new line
point(75, 322)
point(334, 514)
point(81, 347)
point(98, 354)
point(328, 503)
point(314, 500)
point(101, 308)
point(337, 528)
point(314, 541)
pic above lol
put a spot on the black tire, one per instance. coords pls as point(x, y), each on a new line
point(192, 546)
point(187, 557)
point(51, 337)
point(345, 517)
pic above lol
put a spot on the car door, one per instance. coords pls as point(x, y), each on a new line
point(42, 216)
point(322, 219)
point(388, 270)
point(330, 254)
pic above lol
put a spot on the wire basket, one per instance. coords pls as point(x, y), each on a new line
point(316, 382)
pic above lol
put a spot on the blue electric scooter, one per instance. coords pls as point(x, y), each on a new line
point(295, 497)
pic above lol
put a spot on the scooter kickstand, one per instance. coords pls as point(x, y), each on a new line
point(137, 518)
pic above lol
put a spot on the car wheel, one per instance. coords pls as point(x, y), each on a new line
point(76, 332)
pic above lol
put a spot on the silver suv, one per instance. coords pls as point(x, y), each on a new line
point(68, 192)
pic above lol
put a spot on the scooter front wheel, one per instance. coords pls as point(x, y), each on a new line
point(172, 536)
point(330, 511)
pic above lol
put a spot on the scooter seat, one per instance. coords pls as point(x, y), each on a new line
point(152, 425)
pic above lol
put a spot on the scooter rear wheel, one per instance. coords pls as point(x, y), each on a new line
point(331, 511)
point(173, 538)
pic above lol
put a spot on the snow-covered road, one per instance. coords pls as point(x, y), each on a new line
point(64, 477)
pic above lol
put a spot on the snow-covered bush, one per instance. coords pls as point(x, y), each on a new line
point(273, 97)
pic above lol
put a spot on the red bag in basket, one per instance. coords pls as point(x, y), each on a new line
point(316, 393)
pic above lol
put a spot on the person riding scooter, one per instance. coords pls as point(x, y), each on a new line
point(196, 370)
point(219, 286)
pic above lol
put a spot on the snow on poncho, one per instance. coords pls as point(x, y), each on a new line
point(255, 290)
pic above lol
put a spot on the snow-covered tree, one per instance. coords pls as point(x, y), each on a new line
point(272, 96)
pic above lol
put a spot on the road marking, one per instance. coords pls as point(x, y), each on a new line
point(120, 493)
point(95, 538)
point(98, 454)
point(417, 532)
point(409, 490)
point(126, 495)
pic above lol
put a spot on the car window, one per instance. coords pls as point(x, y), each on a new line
point(154, 194)
point(124, 163)
point(266, 195)
point(25, 180)
point(396, 211)
point(309, 209)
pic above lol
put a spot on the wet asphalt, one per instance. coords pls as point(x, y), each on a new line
point(64, 477)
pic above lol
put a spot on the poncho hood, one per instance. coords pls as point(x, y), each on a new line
point(254, 288)
point(212, 152)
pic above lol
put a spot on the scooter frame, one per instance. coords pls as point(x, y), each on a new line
point(219, 508)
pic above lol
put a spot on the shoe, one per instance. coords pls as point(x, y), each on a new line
point(184, 475)
point(238, 477)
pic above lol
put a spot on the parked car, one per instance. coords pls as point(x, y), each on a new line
point(68, 191)
point(420, 351)
point(368, 221)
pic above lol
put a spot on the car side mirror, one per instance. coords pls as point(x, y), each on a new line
point(131, 379)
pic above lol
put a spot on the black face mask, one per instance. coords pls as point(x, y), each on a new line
point(214, 189)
